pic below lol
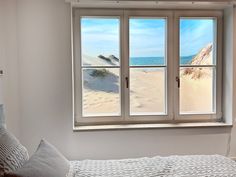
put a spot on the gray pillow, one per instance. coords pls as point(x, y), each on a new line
point(47, 161)
point(12, 154)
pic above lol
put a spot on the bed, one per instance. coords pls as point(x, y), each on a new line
point(47, 161)
point(172, 166)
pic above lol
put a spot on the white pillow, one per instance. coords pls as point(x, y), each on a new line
point(47, 161)
point(12, 154)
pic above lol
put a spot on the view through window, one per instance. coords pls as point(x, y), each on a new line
point(197, 65)
point(147, 63)
point(100, 40)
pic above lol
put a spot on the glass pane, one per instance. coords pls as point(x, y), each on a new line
point(100, 41)
point(197, 90)
point(147, 91)
point(197, 41)
point(147, 41)
point(101, 92)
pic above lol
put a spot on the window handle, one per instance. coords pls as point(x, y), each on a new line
point(178, 81)
point(127, 82)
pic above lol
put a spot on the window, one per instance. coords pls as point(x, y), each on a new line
point(147, 66)
point(134, 66)
point(100, 66)
point(197, 65)
point(199, 69)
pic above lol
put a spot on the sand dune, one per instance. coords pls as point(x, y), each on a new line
point(101, 93)
point(147, 96)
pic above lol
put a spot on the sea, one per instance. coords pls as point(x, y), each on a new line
point(142, 61)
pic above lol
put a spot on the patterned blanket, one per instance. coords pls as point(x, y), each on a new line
point(172, 166)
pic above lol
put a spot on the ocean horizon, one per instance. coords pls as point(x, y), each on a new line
point(142, 61)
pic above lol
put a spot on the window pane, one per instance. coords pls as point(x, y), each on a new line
point(197, 41)
point(101, 92)
point(147, 91)
point(197, 90)
point(147, 41)
point(100, 41)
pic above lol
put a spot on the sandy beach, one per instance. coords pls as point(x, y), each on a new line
point(101, 93)
point(196, 94)
point(147, 95)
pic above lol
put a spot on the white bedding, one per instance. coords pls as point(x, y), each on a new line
point(172, 166)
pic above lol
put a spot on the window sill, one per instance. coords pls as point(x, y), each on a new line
point(151, 126)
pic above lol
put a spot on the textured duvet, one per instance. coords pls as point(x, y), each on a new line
point(172, 166)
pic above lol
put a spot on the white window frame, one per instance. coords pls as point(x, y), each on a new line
point(172, 57)
point(78, 13)
point(218, 15)
point(149, 14)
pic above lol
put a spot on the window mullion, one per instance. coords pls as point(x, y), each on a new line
point(125, 64)
point(175, 63)
point(171, 67)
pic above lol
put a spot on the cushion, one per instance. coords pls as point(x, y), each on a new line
point(12, 154)
point(47, 161)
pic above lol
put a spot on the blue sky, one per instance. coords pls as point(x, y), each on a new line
point(195, 34)
point(100, 36)
point(147, 36)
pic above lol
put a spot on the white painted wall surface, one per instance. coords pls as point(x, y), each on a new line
point(45, 98)
point(9, 64)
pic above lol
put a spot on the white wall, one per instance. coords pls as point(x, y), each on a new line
point(44, 68)
point(9, 63)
